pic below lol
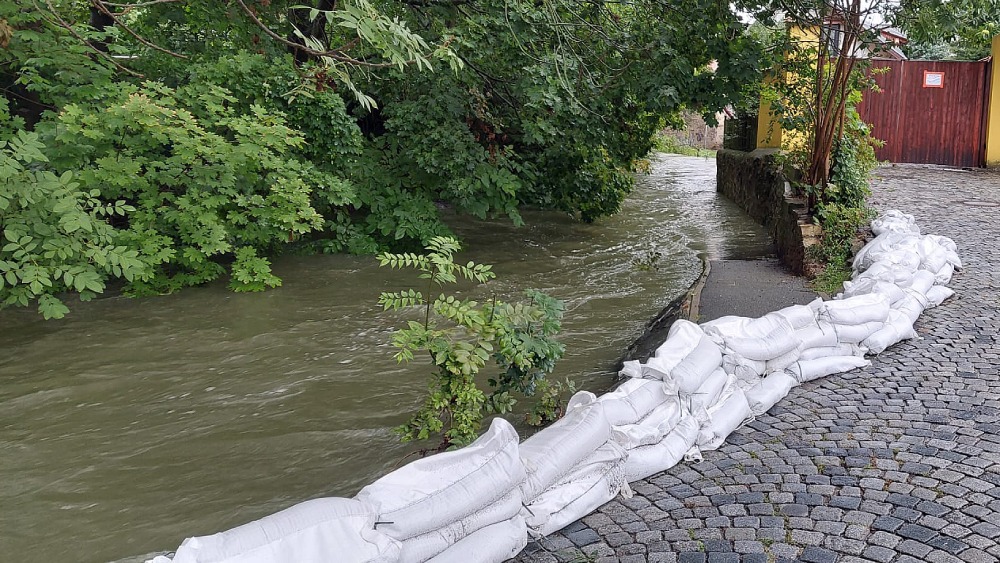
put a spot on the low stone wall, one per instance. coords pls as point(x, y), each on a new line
point(755, 182)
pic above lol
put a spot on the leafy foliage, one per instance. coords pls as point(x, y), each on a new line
point(233, 131)
point(950, 29)
point(461, 336)
point(55, 233)
point(204, 182)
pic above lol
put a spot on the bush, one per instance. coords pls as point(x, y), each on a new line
point(204, 183)
point(460, 336)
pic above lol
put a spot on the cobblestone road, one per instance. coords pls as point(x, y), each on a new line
point(899, 462)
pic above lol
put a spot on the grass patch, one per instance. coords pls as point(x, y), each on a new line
point(668, 144)
point(831, 280)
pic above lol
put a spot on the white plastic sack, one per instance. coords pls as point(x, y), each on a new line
point(821, 367)
point(708, 394)
point(492, 544)
point(747, 372)
point(949, 247)
point(652, 427)
point(844, 349)
point(912, 306)
point(799, 316)
point(649, 459)
point(754, 343)
point(631, 369)
point(555, 450)
point(721, 420)
point(421, 548)
point(696, 367)
point(820, 334)
point(943, 276)
point(784, 360)
point(921, 282)
point(634, 399)
point(315, 531)
point(729, 324)
point(887, 271)
point(435, 491)
point(937, 294)
point(900, 248)
point(595, 481)
point(769, 391)
point(872, 307)
point(853, 334)
point(896, 329)
point(682, 338)
point(894, 221)
point(866, 285)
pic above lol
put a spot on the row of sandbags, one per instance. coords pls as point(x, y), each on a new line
point(482, 502)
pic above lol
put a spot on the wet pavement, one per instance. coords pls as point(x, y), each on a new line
point(898, 462)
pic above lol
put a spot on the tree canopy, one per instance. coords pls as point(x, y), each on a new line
point(169, 142)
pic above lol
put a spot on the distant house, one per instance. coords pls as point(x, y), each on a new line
point(890, 40)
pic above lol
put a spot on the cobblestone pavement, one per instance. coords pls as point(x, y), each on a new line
point(899, 462)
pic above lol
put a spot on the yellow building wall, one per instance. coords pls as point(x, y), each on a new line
point(993, 114)
point(769, 132)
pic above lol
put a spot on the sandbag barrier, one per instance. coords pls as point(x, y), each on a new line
point(482, 503)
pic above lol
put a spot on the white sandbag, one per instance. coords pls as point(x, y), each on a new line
point(649, 459)
point(799, 316)
point(729, 324)
point(747, 372)
point(421, 548)
point(784, 360)
point(866, 285)
point(921, 282)
point(937, 294)
point(696, 367)
point(662, 419)
point(631, 369)
point(759, 339)
point(891, 247)
point(859, 309)
point(843, 349)
point(894, 221)
point(708, 394)
point(820, 334)
point(769, 391)
point(772, 346)
point(943, 276)
point(593, 482)
point(437, 490)
point(682, 338)
point(634, 399)
point(492, 544)
point(896, 329)
point(555, 450)
point(721, 420)
point(887, 271)
point(949, 247)
point(315, 531)
point(809, 370)
point(912, 306)
point(854, 334)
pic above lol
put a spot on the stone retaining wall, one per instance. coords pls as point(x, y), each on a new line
point(756, 183)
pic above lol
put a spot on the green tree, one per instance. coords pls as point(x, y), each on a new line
point(950, 29)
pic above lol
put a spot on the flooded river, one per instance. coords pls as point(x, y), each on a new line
point(133, 423)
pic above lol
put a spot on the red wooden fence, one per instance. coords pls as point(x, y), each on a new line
point(929, 112)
